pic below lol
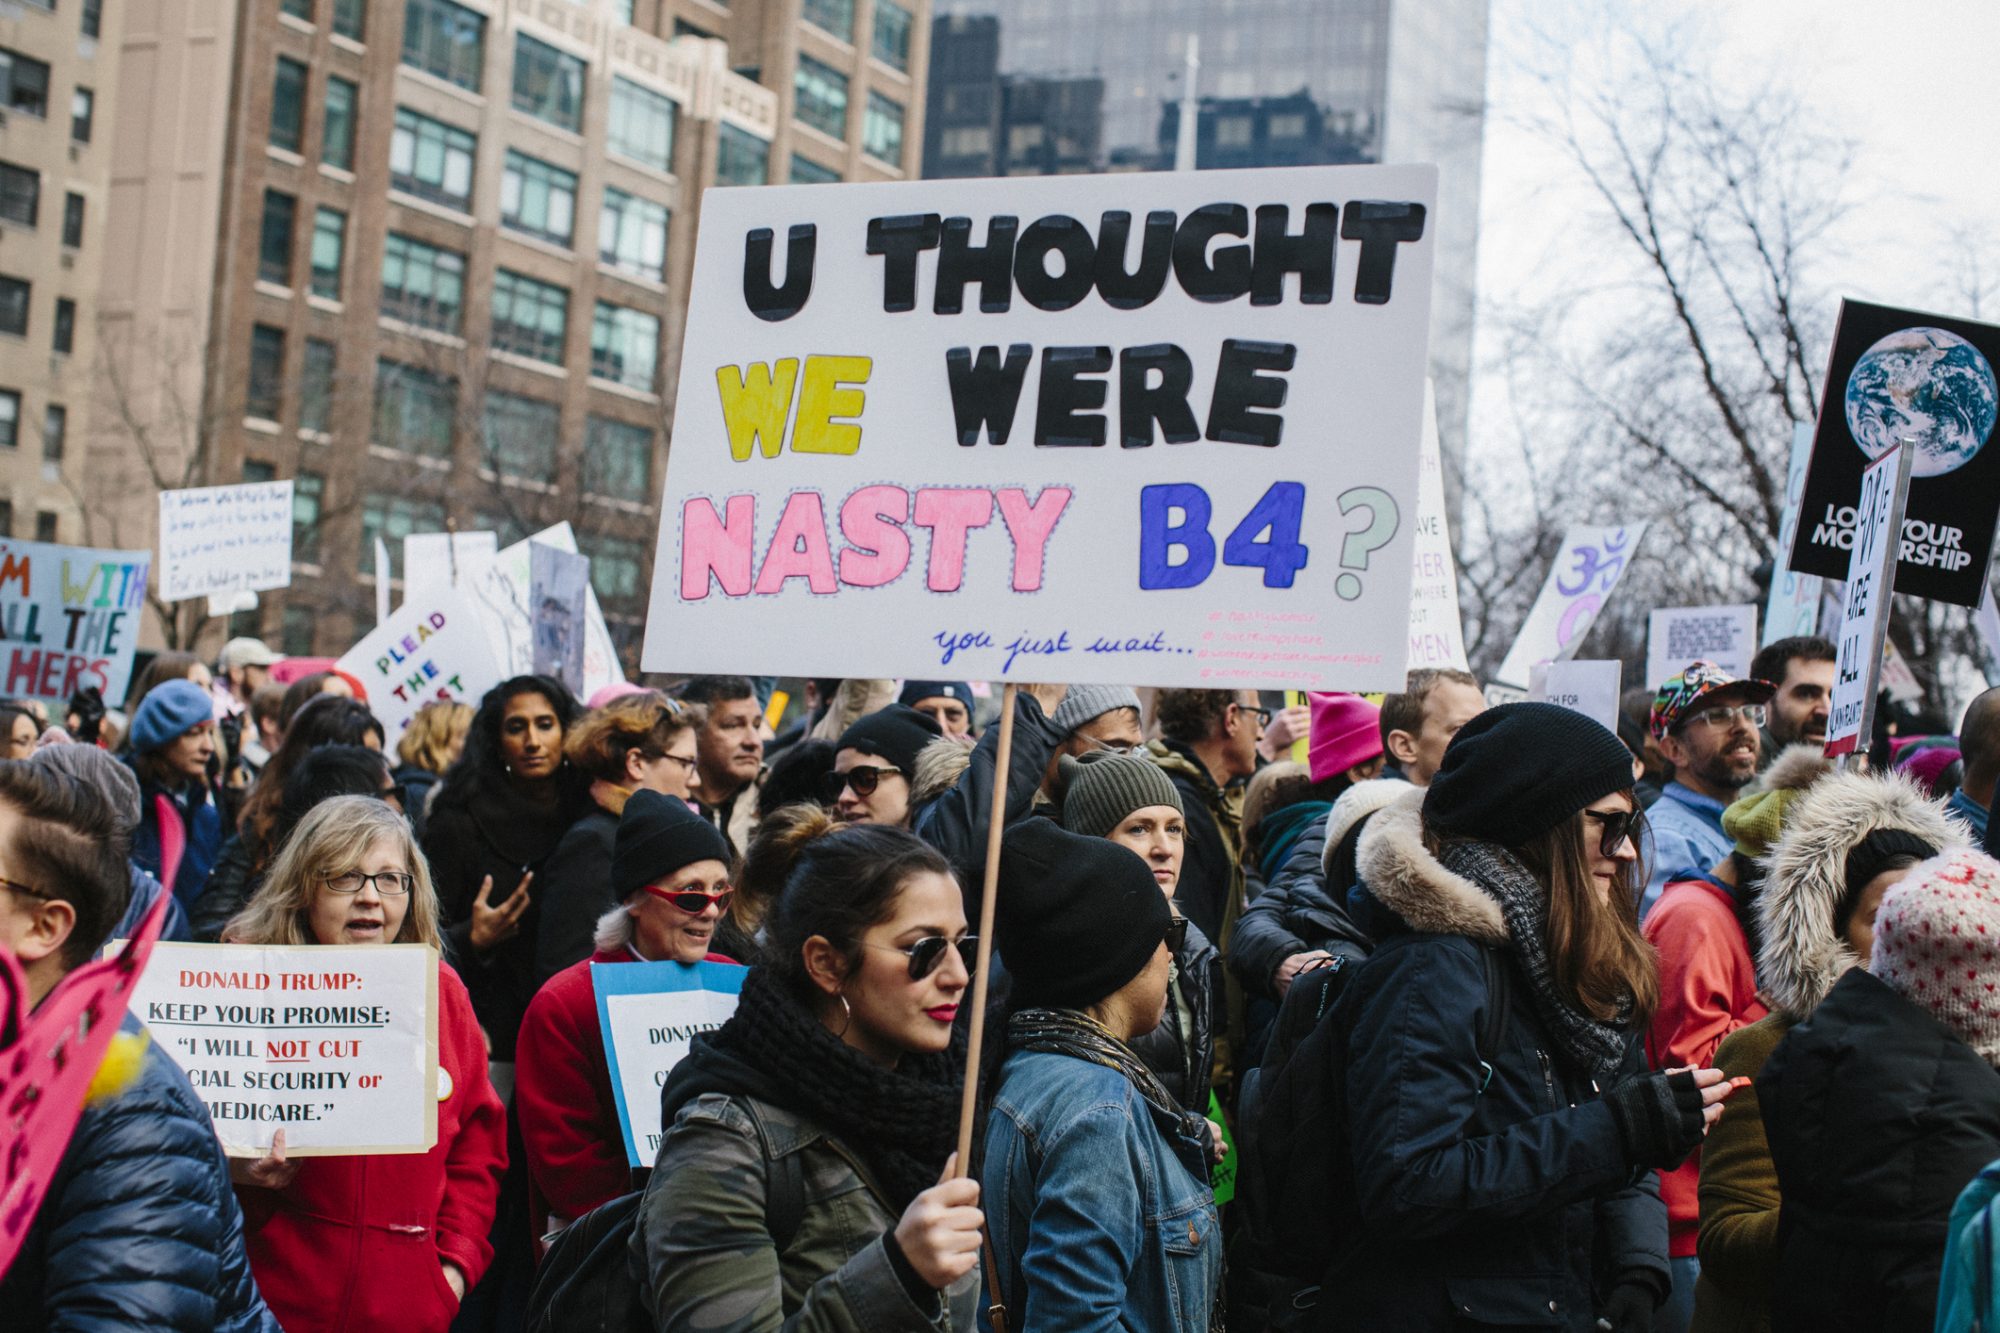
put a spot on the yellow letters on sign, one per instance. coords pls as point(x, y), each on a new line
point(755, 406)
point(831, 390)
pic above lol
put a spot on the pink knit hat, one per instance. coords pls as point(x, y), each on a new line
point(618, 689)
point(1937, 942)
point(1346, 730)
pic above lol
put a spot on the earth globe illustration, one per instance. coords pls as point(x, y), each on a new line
point(1926, 385)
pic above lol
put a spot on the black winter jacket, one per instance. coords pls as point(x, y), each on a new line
point(231, 883)
point(954, 820)
point(575, 889)
point(1877, 1116)
point(1186, 1067)
point(1209, 874)
point(140, 1228)
point(1517, 1204)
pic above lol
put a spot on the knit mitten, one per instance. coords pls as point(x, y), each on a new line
point(1659, 1116)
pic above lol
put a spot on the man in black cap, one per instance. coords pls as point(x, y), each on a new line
point(870, 782)
point(947, 702)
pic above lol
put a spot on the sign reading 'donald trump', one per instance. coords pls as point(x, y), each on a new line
point(69, 619)
point(1157, 428)
point(649, 1015)
point(336, 1045)
point(1894, 376)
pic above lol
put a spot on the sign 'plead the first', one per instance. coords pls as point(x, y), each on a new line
point(1153, 428)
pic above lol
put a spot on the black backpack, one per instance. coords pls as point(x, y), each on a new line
point(1293, 1136)
point(590, 1279)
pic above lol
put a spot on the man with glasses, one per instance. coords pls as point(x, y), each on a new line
point(1707, 724)
point(1208, 746)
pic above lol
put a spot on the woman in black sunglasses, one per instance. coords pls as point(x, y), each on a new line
point(872, 765)
point(800, 1173)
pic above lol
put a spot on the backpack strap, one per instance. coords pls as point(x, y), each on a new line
point(1499, 1003)
point(785, 1185)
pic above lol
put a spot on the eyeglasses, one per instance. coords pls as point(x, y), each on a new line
point(862, 777)
point(928, 952)
point(693, 901)
point(1618, 826)
point(396, 792)
point(1724, 714)
point(1263, 715)
point(1176, 933)
point(389, 883)
point(687, 764)
point(23, 888)
point(1140, 748)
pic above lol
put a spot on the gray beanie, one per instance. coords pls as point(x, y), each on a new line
point(1087, 703)
point(96, 769)
point(1104, 787)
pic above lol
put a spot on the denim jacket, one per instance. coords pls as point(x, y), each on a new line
point(1098, 1221)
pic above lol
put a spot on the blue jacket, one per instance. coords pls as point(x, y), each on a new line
point(1969, 1293)
point(1098, 1222)
point(140, 1228)
point(145, 892)
point(203, 826)
point(1687, 837)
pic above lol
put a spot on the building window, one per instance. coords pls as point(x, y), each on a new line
point(55, 427)
point(64, 340)
point(301, 622)
point(642, 125)
point(431, 160)
point(82, 111)
point(538, 198)
point(623, 9)
point(72, 219)
point(316, 386)
point(45, 526)
point(819, 97)
point(530, 318)
point(548, 84)
point(445, 40)
point(805, 171)
point(24, 84)
point(93, 17)
point(288, 106)
point(267, 373)
point(414, 409)
point(422, 284)
point(349, 16)
point(520, 435)
point(298, 9)
point(308, 493)
point(336, 147)
point(834, 16)
point(10, 419)
point(741, 158)
point(392, 518)
point(329, 245)
point(882, 129)
point(14, 306)
point(632, 234)
point(892, 34)
point(625, 346)
point(274, 247)
point(617, 570)
point(20, 194)
point(618, 459)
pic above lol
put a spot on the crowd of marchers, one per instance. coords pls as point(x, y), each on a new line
point(1464, 1017)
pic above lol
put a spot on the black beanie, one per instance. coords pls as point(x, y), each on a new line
point(657, 835)
point(1867, 859)
point(1076, 917)
point(916, 691)
point(896, 733)
point(1514, 772)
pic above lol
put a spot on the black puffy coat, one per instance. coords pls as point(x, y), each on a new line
point(140, 1227)
point(232, 882)
point(1877, 1117)
point(1186, 1065)
point(1516, 1205)
point(951, 798)
point(575, 888)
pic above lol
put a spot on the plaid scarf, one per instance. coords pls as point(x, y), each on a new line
point(1081, 1037)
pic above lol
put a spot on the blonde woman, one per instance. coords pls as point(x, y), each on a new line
point(430, 745)
point(356, 1244)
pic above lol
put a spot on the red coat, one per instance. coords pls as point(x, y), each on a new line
point(1708, 989)
point(562, 1094)
point(355, 1244)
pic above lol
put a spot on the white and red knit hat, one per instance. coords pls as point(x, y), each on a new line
point(1937, 942)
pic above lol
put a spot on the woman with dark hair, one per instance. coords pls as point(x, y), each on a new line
point(308, 688)
point(19, 730)
point(172, 740)
point(640, 742)
point(1499, 1164)
point(800, 1180)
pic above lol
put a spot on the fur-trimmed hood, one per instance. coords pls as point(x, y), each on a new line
point(1796, 768)
point(940, 765)
point(1356, 804)
point(1405, 878)
point(1805, 878)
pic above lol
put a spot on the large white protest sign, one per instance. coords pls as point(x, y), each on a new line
point(1159, 428)
point(1864, 619)
point(1678, 635)
point(1587, 687)
point(445, 557)
point(500, 586)
point(1586, 569)
point(1437, 634)
point(335, 1045)
point(69, 619)
point(648, 1014)
point(1792, 609)
point(433, 647)
point(223, 539)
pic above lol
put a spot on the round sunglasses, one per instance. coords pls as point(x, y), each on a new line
point(693, 901)
point(1618, 825)
point(862, 777)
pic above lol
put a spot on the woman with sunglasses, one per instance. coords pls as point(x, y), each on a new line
point(668, 880)
point(801, 1181)
point(1097, 1180)
point(387, 1243)
point(873, 762)
point(638, 742)
point(1499, 1166)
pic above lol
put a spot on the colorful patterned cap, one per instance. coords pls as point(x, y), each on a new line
point(1708, 685)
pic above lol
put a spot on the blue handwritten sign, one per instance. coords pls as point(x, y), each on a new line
point(649, 1013)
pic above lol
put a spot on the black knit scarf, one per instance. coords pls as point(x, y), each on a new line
point(1081, 1037)
point(901, 1122)
point(1597, 1047)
